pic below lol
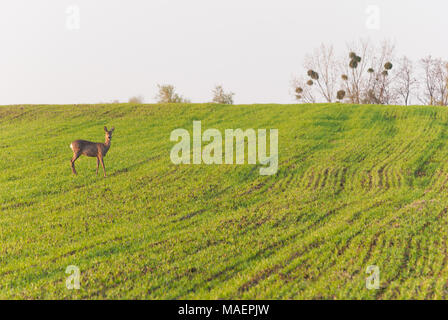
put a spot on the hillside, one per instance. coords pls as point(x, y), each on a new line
point(356, 186)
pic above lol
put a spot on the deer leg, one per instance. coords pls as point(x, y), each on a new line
point(72, 162)
point(97, 164)
point(102, 164)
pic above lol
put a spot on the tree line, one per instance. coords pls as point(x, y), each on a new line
point(166, 93)
point(369, 74)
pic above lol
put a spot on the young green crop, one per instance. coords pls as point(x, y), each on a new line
point(356, 186)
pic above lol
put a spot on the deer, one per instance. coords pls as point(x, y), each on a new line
point(91, 149)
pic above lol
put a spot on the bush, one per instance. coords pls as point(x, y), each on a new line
point(167, 94)
point(136, 100)
point(221, 97)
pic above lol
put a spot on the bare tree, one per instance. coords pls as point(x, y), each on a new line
point(323, 70)
point(446, 80)
point(167, 94)
point(355, 77)
point(405, 80)
point(366, 77)
point(435, 74)
point(369, 76)
point(429, 81)
point(221, 97)
point(302, 91)
point(379, 86)
point(442, 82)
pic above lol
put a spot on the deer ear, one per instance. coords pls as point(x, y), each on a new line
point(113, 128)
point(105, 128)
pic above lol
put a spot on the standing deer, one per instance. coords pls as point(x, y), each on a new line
point(91, 149)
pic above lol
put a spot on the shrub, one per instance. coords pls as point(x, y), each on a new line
point(136, 100)
point(167, 94)
point(221, 97)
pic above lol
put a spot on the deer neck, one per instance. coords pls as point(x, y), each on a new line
point(107, 144)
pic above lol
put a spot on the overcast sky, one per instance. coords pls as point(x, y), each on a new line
point(88, 51)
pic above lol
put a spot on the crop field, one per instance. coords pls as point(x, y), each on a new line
point(356, 186)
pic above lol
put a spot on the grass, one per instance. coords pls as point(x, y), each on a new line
point(356, 186)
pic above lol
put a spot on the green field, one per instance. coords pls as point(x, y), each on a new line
point(356, 186)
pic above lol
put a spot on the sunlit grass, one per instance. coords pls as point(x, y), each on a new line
point(356, 186)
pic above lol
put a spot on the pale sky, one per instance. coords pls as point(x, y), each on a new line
point(114, 49)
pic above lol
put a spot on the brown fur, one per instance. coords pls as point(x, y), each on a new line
point(91, 149)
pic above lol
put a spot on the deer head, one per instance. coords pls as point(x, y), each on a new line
point(109, 133)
